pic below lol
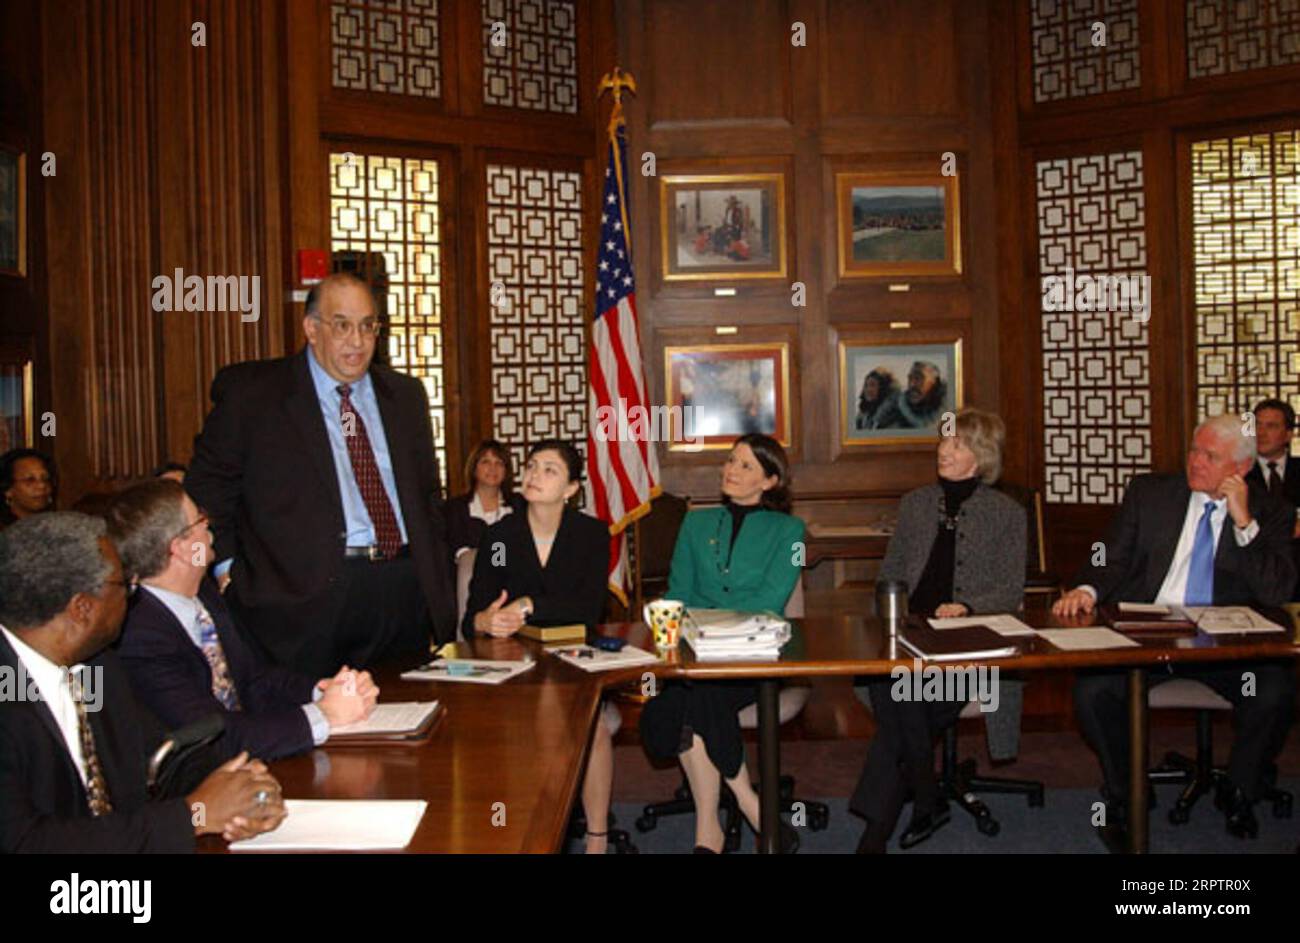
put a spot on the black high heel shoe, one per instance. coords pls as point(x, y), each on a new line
point(925, 824)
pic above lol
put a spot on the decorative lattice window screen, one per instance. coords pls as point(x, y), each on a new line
point(1084, 47)
point(1096, 382)
point(539, 382)
point(384, 213)
point(1235, 35)
point(530, 54)
point(1246, 263)
point(386, 46)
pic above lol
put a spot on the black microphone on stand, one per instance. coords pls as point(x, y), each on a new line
point(178, 745)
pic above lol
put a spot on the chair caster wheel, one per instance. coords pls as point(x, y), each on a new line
point(1282, 807)
point(818, 820)
point(1179, 815)
point(646, 823)
point(988, 825)
point(1036, 799)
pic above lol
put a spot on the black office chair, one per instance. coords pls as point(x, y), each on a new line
point(959, 781)
point(618, 839)
point(1199, 775)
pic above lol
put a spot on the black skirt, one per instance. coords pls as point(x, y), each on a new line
point(707, 708)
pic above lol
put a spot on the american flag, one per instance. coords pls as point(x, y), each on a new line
point(622, 469)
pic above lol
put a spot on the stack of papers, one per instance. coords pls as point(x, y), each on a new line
point(728, 635)
point(590, 658)
point(1085, 639)
point(474, 670)
point(1229, 620)
point(340, 825)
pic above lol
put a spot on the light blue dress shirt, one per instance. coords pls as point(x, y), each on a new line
point(360, 529)
point(186, 610)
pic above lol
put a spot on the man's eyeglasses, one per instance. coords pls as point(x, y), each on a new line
point(201, 519)
point(130, 586)
point(343, 329)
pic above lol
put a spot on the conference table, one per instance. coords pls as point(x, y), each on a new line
point(502, 769)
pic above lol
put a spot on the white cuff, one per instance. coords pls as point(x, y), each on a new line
point(1245, 535)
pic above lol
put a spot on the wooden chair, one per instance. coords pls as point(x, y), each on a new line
point(653, 539)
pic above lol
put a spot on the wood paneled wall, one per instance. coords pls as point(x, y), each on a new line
point(881, 84)
point(168, 157)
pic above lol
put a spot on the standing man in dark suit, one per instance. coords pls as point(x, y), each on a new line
point(74, 745)
point(319, 473)
point(1206, 538)
point(186, 657)
point(1276, 470)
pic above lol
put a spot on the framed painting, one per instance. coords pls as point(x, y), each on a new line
point(717, 392)
point(722, 226)
point(896, 391)
point(897, 223)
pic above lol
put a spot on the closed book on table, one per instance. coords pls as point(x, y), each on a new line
point(1142, 617)
point(395, 724)
point(970, 642)
point(554, 633)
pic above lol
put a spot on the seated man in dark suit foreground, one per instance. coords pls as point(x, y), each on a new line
point(183, 651)
point(74, 745)
point(1208, 538)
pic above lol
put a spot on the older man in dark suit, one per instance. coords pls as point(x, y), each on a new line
point(184, 653)
point(1203, 538)
point(1276, 470)
point(320, 476)
point(74, 745)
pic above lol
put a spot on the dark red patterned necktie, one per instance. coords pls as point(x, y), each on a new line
point(366, 471)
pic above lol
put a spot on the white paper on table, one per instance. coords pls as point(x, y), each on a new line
point(1229, 620)
point(341, 825)
point(393, 718)
point(1003, 624)
point(1086, 639)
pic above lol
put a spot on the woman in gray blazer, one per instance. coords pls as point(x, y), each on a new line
point(960, 548)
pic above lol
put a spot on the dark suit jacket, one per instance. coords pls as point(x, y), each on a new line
point(264, 472)
point(172, 678)
point(466, 531)
point(1144, 535)
point(1290, 480)
point(1290, 494)
point(42, 800)
point(570, 589)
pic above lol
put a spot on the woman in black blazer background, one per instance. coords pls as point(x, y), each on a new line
point(490, 497)
point(549, 566)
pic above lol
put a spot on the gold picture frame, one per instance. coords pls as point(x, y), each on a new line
point(892, 223)
point(713, 399)
point(722, 227)
point(895, 388)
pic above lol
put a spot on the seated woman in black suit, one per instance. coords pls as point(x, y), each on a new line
point(490, 497)
point(549, 566)
point(960, 547)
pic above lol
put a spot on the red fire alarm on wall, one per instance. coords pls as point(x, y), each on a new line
point(313, 266)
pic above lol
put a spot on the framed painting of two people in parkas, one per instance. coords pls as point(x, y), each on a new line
point(895, 389)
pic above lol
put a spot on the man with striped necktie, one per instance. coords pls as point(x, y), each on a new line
point(1199, 539)
point(320, 475)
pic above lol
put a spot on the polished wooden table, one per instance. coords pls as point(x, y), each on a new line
point(856, 645)
point(502, 769)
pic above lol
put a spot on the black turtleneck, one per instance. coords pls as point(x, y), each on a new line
point(738, 514)
point(935, 585)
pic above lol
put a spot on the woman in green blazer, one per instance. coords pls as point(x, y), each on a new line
point(742, 555)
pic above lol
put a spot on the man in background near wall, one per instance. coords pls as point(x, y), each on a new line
point(319, 474)
point(1276, 469)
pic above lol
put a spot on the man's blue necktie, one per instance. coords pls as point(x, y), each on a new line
point(1200, 574)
